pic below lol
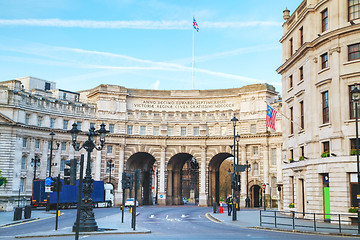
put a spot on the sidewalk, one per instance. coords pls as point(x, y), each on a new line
point(250, 218)
point(107, 225)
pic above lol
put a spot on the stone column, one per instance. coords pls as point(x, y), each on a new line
point(266, 167)
point(119, 192)
point(243, 174)
point(161, 194)
point(29, 168)
point(202, 193)
point(97, 166)
point(43, 160)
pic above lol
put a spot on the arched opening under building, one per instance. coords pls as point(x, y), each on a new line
point(256, 196)
point(145, 163)
point(182, 180)
point(220, 168)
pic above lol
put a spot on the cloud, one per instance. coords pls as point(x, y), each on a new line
point(155, 25)
point(155, 85)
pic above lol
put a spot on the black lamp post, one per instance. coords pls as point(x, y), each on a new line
point(52, 134)
point(247, 200)
point(35, 162)
point(237, 189)
point(110, 166)
point(355, 96)
point(234, 120)
point(87, 221)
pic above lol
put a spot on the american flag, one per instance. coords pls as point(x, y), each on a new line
point(270, 117)
point(195, 25)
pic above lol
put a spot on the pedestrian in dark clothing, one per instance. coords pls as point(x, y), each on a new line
point(229, 202)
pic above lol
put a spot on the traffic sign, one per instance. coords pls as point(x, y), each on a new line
point(48, 181)
point(48, 189)
point(264, 186)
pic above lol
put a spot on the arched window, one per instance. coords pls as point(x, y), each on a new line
point(256, 169)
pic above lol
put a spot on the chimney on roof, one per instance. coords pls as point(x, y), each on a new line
point(286, 14)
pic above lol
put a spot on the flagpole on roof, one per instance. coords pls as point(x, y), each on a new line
point(193, 56)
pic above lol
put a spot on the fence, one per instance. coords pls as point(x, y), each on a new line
point(308, 221)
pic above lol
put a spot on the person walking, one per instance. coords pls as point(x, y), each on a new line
point(229, 202)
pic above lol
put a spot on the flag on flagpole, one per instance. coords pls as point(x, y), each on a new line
point(270, 117)
point(195, 25)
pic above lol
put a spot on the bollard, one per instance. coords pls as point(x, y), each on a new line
point(214, 207)
point(27, 212)
point(17, 213)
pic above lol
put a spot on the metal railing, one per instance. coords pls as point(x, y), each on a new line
point(309, 221)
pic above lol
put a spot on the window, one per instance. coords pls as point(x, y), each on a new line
point(109, 149)
point(63, 146)
point(65, 124)
point(22, 184)
point(256, 169)
point(111, 128)
point(291, 46)
point(353, 145)
point(302, 114)
point(354, 9)
point(196, 131)
point(325, 107)
point(47, 86)
point(302, 151)
point(129, 130)
point(301, 33)
point(37, 143)
point(253, 128)
point(352, 104)
point(52, 122)
point(223, 131)
point(324, 20)
point(62, 164)
point(183, 131)
point(273, 156)
point(324, 61)
point(156, 131)
point(92, 125)
point(292, 154)
point(142, 130)
point(170, 131)
point(78, 125)
point(326, 148)
point(256, 150)
point(23, 162)
point(39, 121)
point(354, 51)
point(291, 81)
point(27, 119)
point(24, 142)
point(301, 73)
point(291, 120)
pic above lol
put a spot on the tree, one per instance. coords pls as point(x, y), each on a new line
point(3, 180)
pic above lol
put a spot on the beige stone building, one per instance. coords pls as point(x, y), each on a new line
point(155, 131)
point(320, 65)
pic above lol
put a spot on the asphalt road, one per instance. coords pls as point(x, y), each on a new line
point(170, 223)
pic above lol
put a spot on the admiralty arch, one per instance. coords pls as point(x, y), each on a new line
point(157, 131)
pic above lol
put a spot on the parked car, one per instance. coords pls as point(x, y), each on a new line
point(130, 202)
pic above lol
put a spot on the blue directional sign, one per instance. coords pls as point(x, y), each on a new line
point(48, 181)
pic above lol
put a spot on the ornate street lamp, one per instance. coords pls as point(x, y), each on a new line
point(87, 216)
point(110, 166)
point(234, 120)
point(52, 134)
point(247, 200)
point(355, 96)
point(35, 162)
point(237, 189)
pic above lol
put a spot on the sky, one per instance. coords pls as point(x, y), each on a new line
point(145, 44)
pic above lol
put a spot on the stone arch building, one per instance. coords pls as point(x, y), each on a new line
point(155, 131)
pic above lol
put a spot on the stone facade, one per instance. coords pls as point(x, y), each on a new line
point(318, 72)
point(155, 131)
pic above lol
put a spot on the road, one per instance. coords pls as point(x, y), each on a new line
point(168, 223)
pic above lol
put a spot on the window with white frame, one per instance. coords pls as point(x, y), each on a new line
point(92, 125)
point(63, 146)
point(253, 128)
point(62, 164)
point(183, 131)
point(27, 119)
point(22, 184)
point(24, 142)
point(142, 130)
point(109, 149)
point(79, 125)
point(65, 124)
point(129, 130)
point(170, 131)
point(52, 122)
point(255, 150)
point(273, 156)
point(256, 169)
point(196, 131)
point(39, 121)
point(23, 162)
point(156, 131)
point(223, 131)
point(111, 128)
point(37, 143)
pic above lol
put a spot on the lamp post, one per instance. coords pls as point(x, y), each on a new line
point(355, 96)
point(87, 221)
point(35, 162)
point(234, 120)
point(50, 165)
point(110, 166)
point(237, 189)
point(247, 200)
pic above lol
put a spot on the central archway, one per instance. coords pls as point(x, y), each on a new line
point(182, 175)
point(144, 162)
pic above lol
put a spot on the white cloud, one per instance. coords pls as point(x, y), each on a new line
point(159, 25)
point(155, 85)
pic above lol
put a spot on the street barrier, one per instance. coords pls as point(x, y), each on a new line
point(17, 213)
point(27, 212)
